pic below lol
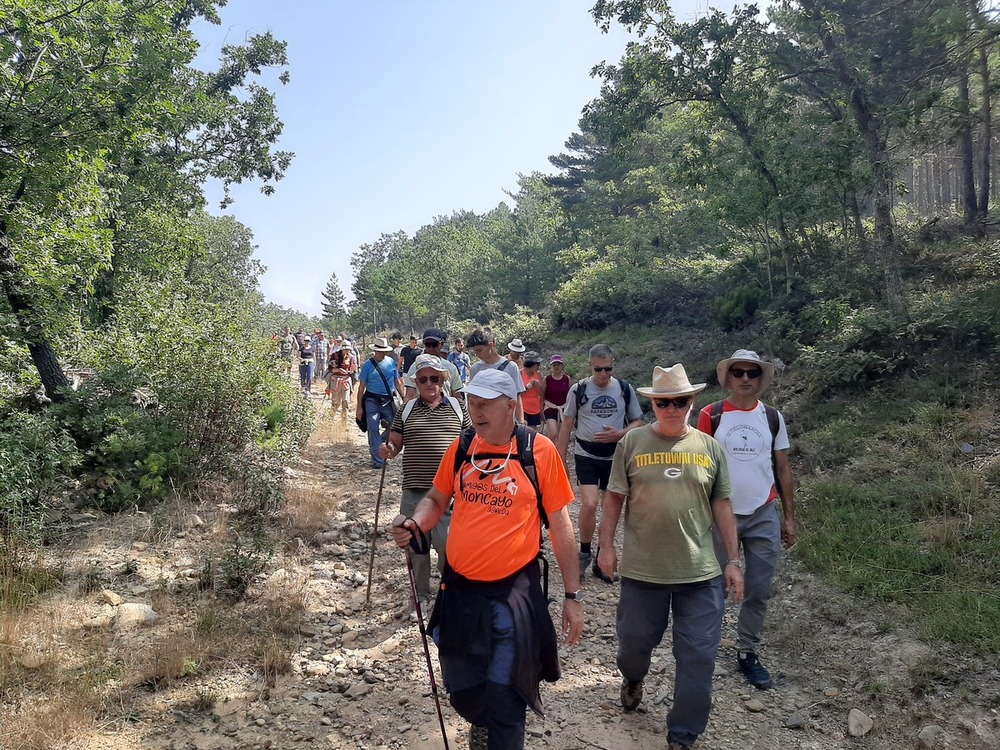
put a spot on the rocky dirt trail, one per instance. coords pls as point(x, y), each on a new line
point(359, 678)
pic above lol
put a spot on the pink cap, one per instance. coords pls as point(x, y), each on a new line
point(555, 358)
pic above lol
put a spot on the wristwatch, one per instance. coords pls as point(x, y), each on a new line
point(735, 564)
point(576, 596)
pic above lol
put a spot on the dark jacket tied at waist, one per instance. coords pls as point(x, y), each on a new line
point(464, 615)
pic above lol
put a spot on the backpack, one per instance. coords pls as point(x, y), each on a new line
point(773, 422)
point(525, 437)
point(450, 399)
point(582, 398)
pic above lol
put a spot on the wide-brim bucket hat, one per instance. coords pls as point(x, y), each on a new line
point(380, 345)
point(669, 382)
point(748, 357)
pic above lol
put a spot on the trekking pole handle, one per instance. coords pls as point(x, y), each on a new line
point(419, 542)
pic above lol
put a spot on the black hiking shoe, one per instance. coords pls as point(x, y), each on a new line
point(584, 562)
point(631, 695)
point(756, 673)
point(479, 737)
point(598, 573)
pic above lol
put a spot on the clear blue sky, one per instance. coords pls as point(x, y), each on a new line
point(401, 111)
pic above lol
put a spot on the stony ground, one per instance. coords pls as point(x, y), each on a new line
point(359, 677)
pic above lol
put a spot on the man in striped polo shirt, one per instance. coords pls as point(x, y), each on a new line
point(425, 428)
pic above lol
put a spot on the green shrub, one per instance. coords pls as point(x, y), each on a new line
point(735, 309)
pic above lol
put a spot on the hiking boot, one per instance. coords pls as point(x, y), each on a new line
point(584, 562)
point(478, 737)
point(631, 694)
point(756, 673)
point(598, 573)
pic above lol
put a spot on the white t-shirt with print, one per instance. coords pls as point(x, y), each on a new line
point(745, 436)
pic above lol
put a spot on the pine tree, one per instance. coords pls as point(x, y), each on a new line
point(333, 306)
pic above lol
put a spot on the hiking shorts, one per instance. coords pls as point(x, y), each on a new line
point(592, 471)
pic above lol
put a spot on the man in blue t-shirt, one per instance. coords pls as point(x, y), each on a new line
point(378, 378)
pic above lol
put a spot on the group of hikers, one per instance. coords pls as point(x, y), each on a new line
point(706, 509)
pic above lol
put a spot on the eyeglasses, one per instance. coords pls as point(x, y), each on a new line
point(739, 372)
point(430, 379)
point(602, 369)
point(677, 403)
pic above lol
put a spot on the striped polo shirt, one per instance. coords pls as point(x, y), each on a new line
point(427, 434)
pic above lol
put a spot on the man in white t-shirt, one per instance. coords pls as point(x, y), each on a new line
point(602, 408)
point(755, 440)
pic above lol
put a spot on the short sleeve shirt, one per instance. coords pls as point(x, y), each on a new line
point(370, 377)
point(603, 407)
point(495, 525)
point(506, 366)
point(745, 436)
point(669, 486)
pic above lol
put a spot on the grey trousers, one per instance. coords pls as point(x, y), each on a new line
point(643, 615)
point(438, 538)
point(759, 536)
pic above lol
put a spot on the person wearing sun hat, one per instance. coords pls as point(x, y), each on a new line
point(377, 381)
point(674, 483)
point(755, 440)
point(515, 348)
point(555, 388)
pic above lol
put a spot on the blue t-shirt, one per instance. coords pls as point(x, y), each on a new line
point(372, 380)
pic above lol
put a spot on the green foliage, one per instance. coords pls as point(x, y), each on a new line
point(737, 307)
point(37, 461)
point(244, 557)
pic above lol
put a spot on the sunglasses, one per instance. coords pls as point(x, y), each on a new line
point(602, 369)
point(432, 344)
point(430, 379)
point(739, 372)
point(531, 364)
point(677, 403)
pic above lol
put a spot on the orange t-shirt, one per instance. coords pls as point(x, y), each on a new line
point(531, 399)
point(495, 524)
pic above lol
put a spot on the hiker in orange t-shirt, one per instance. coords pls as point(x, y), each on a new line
point(493, 574)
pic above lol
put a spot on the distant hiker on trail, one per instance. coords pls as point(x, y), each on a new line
point(397, 346)
point(378, 379)
point(339, 371)
point(461, 360)
point(515, 348)
point(554, 390)
point(496, 641)
point(534, 390)
point(602, 409)
point(322, 347)
point(432, 340)
point(673, 482)
point(289, 345)
point(422, 431)
point(307, 364)
point(483, 344)
point(408, 355)
point(755, 440)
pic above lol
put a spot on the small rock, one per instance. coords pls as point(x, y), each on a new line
point(930, 737)
point(796, 721)
point(859, 723)
point(358, 689)
point(831, 692)
point(195, 521)
point(32, 661)
point(110, 597)
point(134, 615)
point(754, 706)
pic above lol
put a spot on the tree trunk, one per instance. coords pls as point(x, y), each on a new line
point(987, 116)
point(29, 321)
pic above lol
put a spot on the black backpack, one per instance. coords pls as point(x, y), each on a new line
point(773, 422)
point(582, 398)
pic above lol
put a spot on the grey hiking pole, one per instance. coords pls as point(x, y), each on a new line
point(422, 547)
point(371, 561)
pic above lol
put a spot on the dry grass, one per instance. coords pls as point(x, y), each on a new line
point(50, 722)
point(307, 512)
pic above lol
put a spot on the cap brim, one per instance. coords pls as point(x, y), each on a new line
point(650, 393)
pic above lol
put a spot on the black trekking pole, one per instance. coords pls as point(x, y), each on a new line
point(371, 561)
point(422, 542)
